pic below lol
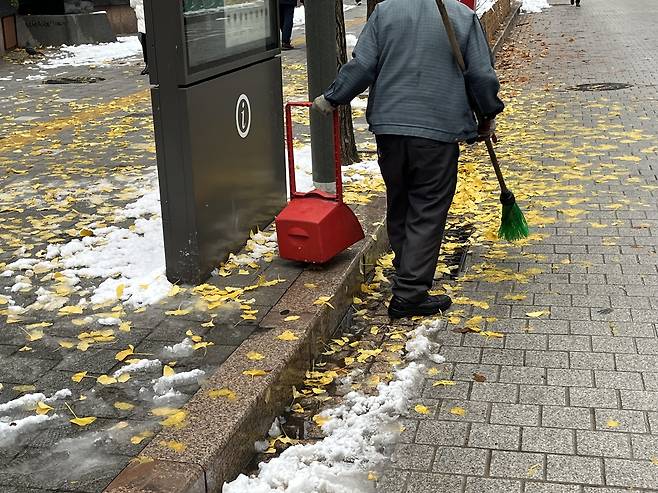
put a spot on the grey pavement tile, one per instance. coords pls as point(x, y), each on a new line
point(434, 432)
point(523, 374)
point(570, 377)
point(636, 362)
point(514, 414)
point(650, 379)
point(612, 344)
point(392, 481)
point(499, 437)
point(456, 354)
point(592, 397)
point(618, 379)
point(413, 456)
point(644, 446)
point(569, 468)
point(639, 399)
point(567, 417)
point(472, 411)
point(460, 460)
point(591, 361)
point(465, 371)
point(22, 370)
point(485, 485)
point(602, 443)
point(542, 394)
point(495, 356)
point(457, 391)
point(617, 420)
point(534, 487)
point(516, 465)
point(410, 428)
point(547, 359)
point(494, 392)
point(631, 473)
point(432, 483)
point(569, 343)
point(548, 440)
point(646, 345)
point(526, 341)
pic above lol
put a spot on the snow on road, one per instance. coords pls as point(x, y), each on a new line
point(93, 54)
point(534, 6)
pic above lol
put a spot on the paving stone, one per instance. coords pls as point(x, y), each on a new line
point(601, 443)
point(432, 483)
point(465, 371)
point(592, 361)
point(644, 446)
point(481, 485)
point(458, 391)
point(461, 460)
point(414, 457)
point(631, 473)
point(519, 465)
point(548, 440)
point(494, 392)
point(526, 341)
point(547, 359)
point(569, 343)
point(540, 394)
point(623, 421)
point(636, 362)
point(639, 399)
point(570, 377)
point(533, 487)
point(523, 374)
point(433, 432)
point(499, 437)
point(474, 411)
point(612, 344)
point(514, 414)
point(591, 397)
point(585, 470)
point(567, 417)
point(494, 356)
point(618, 379)
point(393, 481)
point(461, 354)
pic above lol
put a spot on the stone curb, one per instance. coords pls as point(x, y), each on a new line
point(219, 433)
point(510, 24)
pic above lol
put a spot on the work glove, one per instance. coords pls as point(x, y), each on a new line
point(323, 106)
point(486, 130)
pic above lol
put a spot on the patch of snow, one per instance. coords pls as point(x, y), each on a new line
point(94, 54)
point(483, 6)
point(29, 401)
point(360, 434)
point(164, 384)
point(534, 6)
point(261, 446)
point(351, 40)
point(109, 321)
point(9, 429)
point(142, 364)
point(181, 350)
point(168, 398)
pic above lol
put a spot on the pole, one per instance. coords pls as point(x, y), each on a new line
point(322, 70)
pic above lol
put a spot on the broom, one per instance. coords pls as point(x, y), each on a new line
point(513, 225)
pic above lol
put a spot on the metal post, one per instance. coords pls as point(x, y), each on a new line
point(322, 69)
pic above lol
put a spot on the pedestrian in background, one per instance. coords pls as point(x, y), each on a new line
point(286, 19)
point(138, 7)
point(577, 3)
point(419, 108)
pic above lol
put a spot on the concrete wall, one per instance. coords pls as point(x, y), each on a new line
point(122, 18)
point(55, 30)
point(493, 19)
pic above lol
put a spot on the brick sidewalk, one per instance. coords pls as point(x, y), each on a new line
point(564, 398)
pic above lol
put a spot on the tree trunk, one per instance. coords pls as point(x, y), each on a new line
point(348, 150)
point(371, 6)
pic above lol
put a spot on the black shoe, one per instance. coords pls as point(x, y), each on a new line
point(577, 3)
point(287, 46)
point(399, 308)
point(573, 1)
point(145, 71)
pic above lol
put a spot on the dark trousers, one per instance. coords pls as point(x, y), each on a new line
point(142, 40)
point(286, 17)
point(421, 178)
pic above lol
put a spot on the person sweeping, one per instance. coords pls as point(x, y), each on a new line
point(420, 107)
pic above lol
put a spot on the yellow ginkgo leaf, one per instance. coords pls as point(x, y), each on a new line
point(515, 297)
point(178, 313)
point(491, 333)
point(613, 423)
point(43, 408)
point(254, 356)
point(70, 310)
point(176, 420)
point(208, 324)
point(119, 290)
point(106, 380)
point(254, 373)
point(202, 345)
point(121, 355)
point(125, 326)
point(137, 439)
point(24, 388)
point(433, 371)
point(66, 344)
point(123, 378)
point(124, 406)
point(297, 408)
point(79, 376)
point(458, 411)
point(287, 336)
point(83, 421)
point(372, 476)
point(224, 392)
point(174, 445)
point(420, 409)
point(291, 318)
point(35, 335)
point(83, 346)
point(168, 371)
point(537, 314)
point(324, 300)
point(175, 289)
point(444, 383)
point(320, 420)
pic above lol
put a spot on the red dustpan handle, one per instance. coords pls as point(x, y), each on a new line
point(291, 153)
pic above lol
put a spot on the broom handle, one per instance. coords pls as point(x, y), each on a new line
point(459, 58)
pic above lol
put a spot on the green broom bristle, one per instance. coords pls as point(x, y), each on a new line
point(513, 225)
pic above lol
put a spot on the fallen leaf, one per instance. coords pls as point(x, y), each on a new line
point(43, 408)
point(458, 411)
point(122, 355)
point(83, 421)
point(537, 314)
point(291, 318)
point(119, 290)
point(179, 312)
point(124, 406)
point(79, 376)
point(106, 380)
point(479, 377)
point(420, 409)
point(444, 383)
point(123, 378)
point(24, 388)
point(320, 420)
point(168, 371)
point(254, 373)
point(613, 423)
point(224, 392)
point(174, 445)
point(287, 336)
point(176, 420)
point(254, 356)
point(70, 310)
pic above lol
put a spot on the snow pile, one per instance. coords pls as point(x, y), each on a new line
point(482, 6)
point(534, 6)
point(141, 365)
point(165, 384)
point(360, 434)
point(181, 350)
point(94, 54)
point(29, 401)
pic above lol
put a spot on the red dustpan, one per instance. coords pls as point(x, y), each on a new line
point(315, 226)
